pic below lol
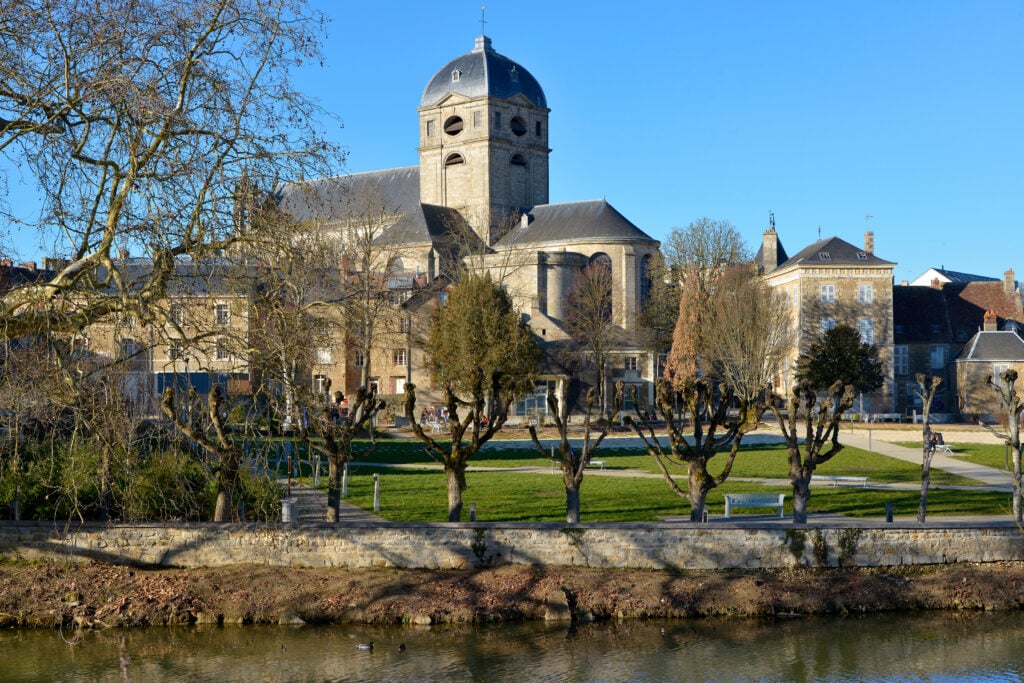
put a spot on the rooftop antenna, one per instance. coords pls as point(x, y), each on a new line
point(819, 232)
point(483, 21)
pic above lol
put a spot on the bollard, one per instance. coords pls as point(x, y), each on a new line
point(376, 492)
point(704, 515)
point(888, 513)
point(472, 512)
point(344, 481)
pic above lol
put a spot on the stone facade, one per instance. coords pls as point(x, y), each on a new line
point(461, 546)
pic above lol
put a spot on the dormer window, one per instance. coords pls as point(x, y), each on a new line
point(513, 74)
point(862, 256)
point(456, 75)
point(824, 256)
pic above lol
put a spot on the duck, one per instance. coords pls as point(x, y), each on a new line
point(365, 646)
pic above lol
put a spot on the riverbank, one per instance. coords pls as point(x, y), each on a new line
point(47, 594)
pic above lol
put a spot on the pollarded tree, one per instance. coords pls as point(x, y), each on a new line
point(840, 355)
point(137, 121)
point(483, 355)
point(727, 348)
point(925, 390)
point(1004, 386)
point(573, 462)
point(820, 441)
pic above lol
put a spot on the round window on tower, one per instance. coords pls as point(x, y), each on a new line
point(454, 125)
point(518, 126)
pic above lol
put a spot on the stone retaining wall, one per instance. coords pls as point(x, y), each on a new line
point(646, 546)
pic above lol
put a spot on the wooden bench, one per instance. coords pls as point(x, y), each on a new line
point(836, 480)
point(595, 463)
point(753, 500)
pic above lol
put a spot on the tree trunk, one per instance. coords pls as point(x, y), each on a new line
point(926, 478)
point(227, 480)
point(697, 491)
point(572, 504)
point(801, 495)
point(334, 471)
point(1015, 457)
point(105, 486)
point(454, 495)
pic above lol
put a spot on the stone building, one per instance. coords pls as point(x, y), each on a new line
point(828, 283)
point(984, 357)
point(479, 199)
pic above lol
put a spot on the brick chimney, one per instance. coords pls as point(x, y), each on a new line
point(28, 265)
point(869, 242)
point(991, 322)
point(1009, 283)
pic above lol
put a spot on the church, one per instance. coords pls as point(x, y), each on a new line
point(479, 198)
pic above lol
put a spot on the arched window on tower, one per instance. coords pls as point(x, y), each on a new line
point(518, 160)
point(454, 160)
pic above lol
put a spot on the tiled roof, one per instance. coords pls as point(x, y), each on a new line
point(958, 277)
point(951, 313)
point(782, 257)
point(425, 224)
point(576, 221)
point(993, 346)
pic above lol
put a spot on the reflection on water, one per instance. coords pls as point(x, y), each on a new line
point(922, 647)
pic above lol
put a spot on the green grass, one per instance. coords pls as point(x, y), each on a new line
point(420, 495)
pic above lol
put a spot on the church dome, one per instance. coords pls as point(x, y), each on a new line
point(483, 73)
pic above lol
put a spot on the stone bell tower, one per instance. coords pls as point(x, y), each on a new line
point(484, 140)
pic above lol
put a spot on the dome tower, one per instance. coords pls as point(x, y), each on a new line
point(484, 140)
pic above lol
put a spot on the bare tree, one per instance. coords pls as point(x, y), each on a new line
point(573, 462)
point(337, 436)
point(822, 430)
point(589, 323)
point(137, 121)
point(1010, 400)
point(926, 390)
point(657, 318)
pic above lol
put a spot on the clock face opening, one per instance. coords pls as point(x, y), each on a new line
point(454, 125)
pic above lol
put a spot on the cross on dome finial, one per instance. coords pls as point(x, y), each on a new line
point(483, 20)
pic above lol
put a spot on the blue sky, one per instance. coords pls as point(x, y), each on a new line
point(911, 112)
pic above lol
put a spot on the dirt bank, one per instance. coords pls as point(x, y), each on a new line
point(45, 595)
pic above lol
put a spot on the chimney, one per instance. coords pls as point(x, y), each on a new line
point(1009, 284)
point(936, 284)
point(991, 322)
point(869, 242)
point(28, 265)
point(770, 249)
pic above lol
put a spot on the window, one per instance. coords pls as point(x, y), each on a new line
point(430, 127)
point(454, 160)
point(456, 75)
point(517, 160)
point(404, 325)
point(824, 256)
point(176, 351)
point(828, 294)
point(518, 126)
point(222, 314)
point(862, 256)
point(913, 399)
point(454, 125)
point(398, 357)
point(865, 294)
point(497, 119)
point(938, 356)
point(221, 352)
point(359, 359)
point(901, 360)
point(998, 369)
point(866, 327)
point(476, 119)
point(827, 324)
point(631, 363)
point(323, 356)
point(320, 384)
point(178, 314)
point(513, 74)
point(537, 128)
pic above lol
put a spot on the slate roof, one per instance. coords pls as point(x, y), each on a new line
point(483, 73)
point(582, 221)
point(993, 346)
point(951, 313)
point(337, 197)
point(958, 277)
point(424, 223)
point(781, 255)
point(834, 251)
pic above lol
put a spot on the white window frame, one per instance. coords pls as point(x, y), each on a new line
point(866, 327)
point(937, 351)
point(901, 360)
point(828, 294)
point(632, 363)
point(400, 358)
point(865, 294)
point(359, 360)
point(221, 350)
point(324, 356)
point(176, 350)
point(222, 313)
point(319, 386)
point(827, 323)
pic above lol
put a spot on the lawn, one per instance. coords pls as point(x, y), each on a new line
point(988, 454)
point(420, 495)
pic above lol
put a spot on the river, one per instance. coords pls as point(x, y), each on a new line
point(906, 647)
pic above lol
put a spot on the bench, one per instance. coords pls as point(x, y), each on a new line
point(753, 500)
point(836, 480)
point(595, 463)
point(887, 417)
